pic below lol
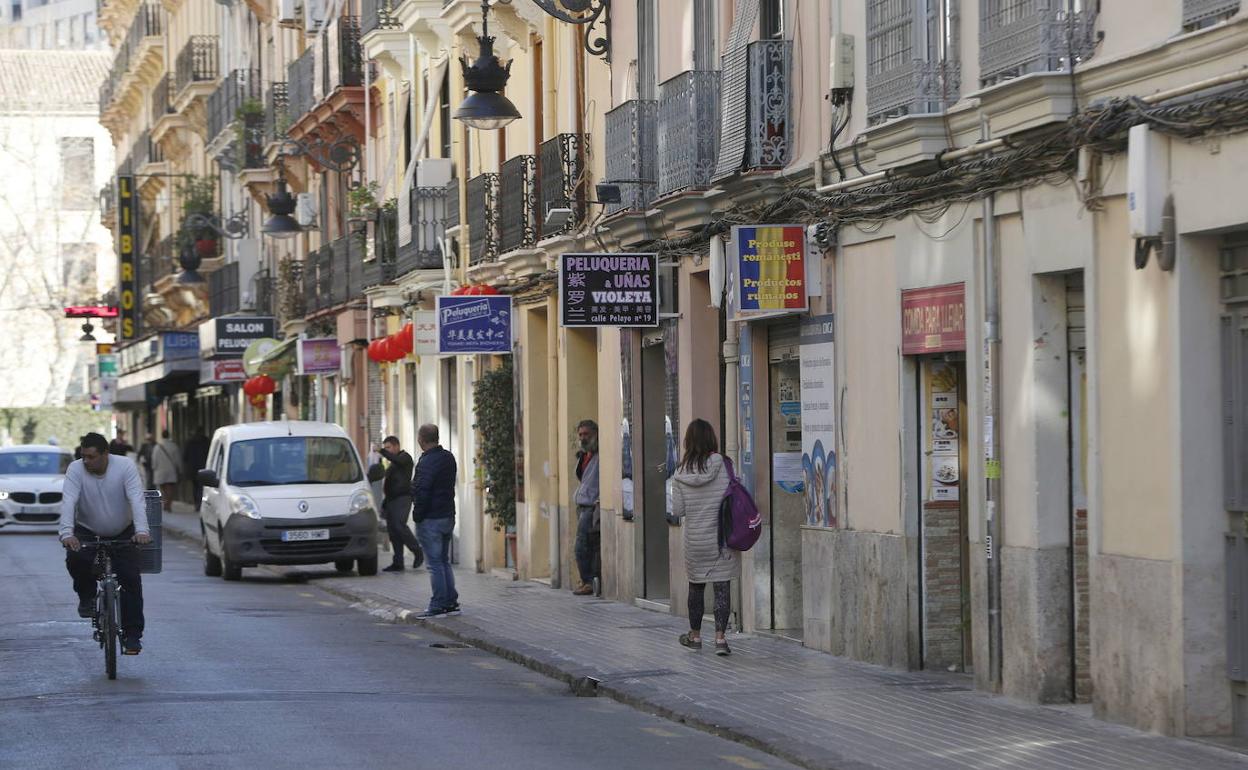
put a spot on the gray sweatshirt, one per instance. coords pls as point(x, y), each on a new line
point(106, 504)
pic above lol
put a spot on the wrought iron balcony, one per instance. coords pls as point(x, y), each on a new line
point(428, 210)
point(197, 62)
point(770, 137)
point(315, 288)
point(300, 82)
point(482, 218)
point(914, 88)
point(159, 262)
point(632, 153)
point(343, 65)
point(161, 104)
point(377, 14)
point(291, 296)
point(1018, 37)
point(149, 22)
point(236, 97)
point(688, 131)
point(381, 268)
point(265, 292)
point(560, 185)
point(518, 203)
point(276, 113)
point(223, 297)
point(452, 204)
point(1203, 13)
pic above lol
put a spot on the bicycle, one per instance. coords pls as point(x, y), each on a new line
point(106, 621)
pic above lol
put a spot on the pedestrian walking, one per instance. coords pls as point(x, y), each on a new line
point(433, 509)
point(396, 502)
point(119, 445)
point(588, 518)
point(195, 459)
point(698, 488)
point(166, 468)
point(144, 459)
point(103, 497)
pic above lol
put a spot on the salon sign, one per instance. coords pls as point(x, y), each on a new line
point(933, 319)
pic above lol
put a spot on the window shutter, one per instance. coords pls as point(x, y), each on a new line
point(734, 85)
point(1234, 344)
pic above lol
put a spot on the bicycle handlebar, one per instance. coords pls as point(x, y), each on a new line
point(105, 541)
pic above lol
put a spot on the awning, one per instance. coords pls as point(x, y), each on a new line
point(277, 362)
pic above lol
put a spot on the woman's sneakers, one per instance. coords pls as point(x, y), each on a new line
point(721, 648)
point(692, 642)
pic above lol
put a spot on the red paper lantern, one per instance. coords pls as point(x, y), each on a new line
point(265, 385)
point(457, 291)
point(486, 290)
point(372, 351)
point(386, 350)
point(407, 338)
point(397, 352)
point(249, 387)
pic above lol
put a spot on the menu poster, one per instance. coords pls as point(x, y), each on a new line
point(943, 432)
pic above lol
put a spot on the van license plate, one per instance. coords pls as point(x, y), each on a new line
point(296, 535)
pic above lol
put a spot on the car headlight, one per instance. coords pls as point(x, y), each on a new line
point(244, 506)
point(361, 501)
point(4, 494)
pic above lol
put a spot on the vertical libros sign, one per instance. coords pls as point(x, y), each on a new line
point(127, 258)
point(771, 268)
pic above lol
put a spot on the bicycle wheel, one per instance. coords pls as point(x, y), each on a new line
point(108, 628)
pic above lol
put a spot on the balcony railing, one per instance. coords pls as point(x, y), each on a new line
point(197, 62)
point(1202, 13)
point(161, 104)
point(1018, 37)
point(238, 92)
point(149, 22)
point(632, 153)
point(482, 218)
point(770, 140)
point(518, 203)
point(688, 131)
point(378, 14)
point(291, 297)
point(145, 151)
point(276, 113)
point(315, 288)
point(429, 206)
point(381, 268)
point(300, 82)
point(158, 262)
point(265, 292)
point(346, 268)
point(344, 59)
point(914, 88)
point(452, 204)
point(223, 290)
point(560, 170)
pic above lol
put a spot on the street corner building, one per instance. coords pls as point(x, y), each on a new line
point(961, 286)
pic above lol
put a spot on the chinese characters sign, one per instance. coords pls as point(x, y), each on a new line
point(318, 356)
point(771, 268)
point(468, 324)
point(933, 320)
point(608, 290)
point(127, 257)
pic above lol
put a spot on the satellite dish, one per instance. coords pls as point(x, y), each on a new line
point(255, 353)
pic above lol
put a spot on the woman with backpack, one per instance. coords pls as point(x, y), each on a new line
point(698, 489)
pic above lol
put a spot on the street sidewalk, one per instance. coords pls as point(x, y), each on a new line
point(808, 707)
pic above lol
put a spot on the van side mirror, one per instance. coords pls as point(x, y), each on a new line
point(208, 478)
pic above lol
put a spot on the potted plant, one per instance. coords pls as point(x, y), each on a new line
point(199, 196)
point(249, 133)
point(362, 202)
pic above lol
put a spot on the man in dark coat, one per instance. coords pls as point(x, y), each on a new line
point(433, 507)
point(195, 459)
point(396, 503)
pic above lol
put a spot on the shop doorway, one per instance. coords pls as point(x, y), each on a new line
point(1077, 436)
point(782, 555)
point(655, 434)
point(944, 549)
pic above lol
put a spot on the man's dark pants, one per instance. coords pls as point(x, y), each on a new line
point(81, 565)
point(396, 511)
point(588, 539)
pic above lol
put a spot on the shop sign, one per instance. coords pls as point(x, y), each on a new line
point(818, 420)
point(106, 365)
point(942, 431)
point(127, 258)
point(771, 268)
point(318, 356)
point(608, 290)
point(209, 391)
point(178, 345)
point(103, 348)
point(474, 324)
point(933, 320)
point(106, 395)
point(229, 336)
point(222, 370)
point(425, 326)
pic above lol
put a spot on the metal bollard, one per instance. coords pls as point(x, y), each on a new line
point(150, 554)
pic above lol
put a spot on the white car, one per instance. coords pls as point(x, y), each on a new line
point(289, 492)
point(31, 478)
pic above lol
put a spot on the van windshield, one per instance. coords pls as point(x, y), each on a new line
point(293, 460)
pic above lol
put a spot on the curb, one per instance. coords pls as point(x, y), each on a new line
point(590, 682)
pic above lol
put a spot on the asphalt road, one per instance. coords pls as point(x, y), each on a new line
point(272, 673)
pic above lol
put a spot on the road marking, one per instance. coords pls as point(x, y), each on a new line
point(416, 637)
point(307, 595)
point(487, 665)
point(327, 604)
point(659, 731)
point(745, 762)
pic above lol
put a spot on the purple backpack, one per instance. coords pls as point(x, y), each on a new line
point(740, 523)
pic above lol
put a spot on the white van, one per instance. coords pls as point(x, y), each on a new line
point(289, 492)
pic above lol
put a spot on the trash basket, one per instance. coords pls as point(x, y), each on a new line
point(149, 555)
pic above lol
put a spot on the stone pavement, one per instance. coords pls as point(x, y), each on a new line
point(808, 707)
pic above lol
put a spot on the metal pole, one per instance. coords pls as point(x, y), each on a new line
point(992, 448)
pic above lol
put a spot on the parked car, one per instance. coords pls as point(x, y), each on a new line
point(289, 492)
point(31, 478)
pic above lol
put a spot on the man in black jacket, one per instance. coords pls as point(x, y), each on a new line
point(396, 502)
point(433, 508)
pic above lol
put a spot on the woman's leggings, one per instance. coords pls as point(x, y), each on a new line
point(697, 606)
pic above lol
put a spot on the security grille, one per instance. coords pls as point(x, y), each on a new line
point(1204, 13)
point(1019, 37)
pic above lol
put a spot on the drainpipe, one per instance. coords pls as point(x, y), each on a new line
point(552, 443)
point(992, 441)
point(732, 359)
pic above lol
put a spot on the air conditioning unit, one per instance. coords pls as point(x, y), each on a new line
point(313, 15)
point(306, 209)
point(288, 12)
point(434, 172)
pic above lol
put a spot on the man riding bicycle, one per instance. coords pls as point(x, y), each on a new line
point(103, 498)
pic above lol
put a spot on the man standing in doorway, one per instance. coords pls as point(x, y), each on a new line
point(588, 522)
point(166, 467)
point(396, 503)
point(433, 509)
point(195, 459)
